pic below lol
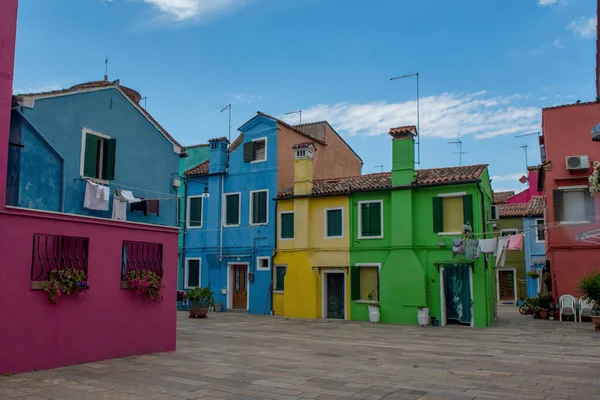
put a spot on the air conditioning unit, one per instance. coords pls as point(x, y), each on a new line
point(575, 163)
point(494, 215)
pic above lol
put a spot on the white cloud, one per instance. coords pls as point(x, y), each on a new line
point(547, 2)
point(584, 27)
point(195, 9)
point(447, 116)
point(505, 178)
point(543, 98)
point(559, 43)
point(243, 98)
point(37, 89)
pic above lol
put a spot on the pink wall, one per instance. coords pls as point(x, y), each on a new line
point(526, 195)
point(106, 322)
point(567, 133)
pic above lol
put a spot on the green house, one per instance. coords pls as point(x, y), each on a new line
point(403, 225)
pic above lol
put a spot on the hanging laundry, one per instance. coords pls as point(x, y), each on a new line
point(139, 206)
point(515, 242)
point(472, 249)
point(501, 251)
point(147, 206)
point(128, 196)
point(96, 197)
point(458, 247)
point(119, 210)
point(487, 246)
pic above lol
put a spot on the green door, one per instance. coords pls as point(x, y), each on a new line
point(457, 290)
point(335, 296)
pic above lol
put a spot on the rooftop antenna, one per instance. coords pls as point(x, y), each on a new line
point(530, 134)
point(228, 106)
point(379, 166)
point(106, 68)
point(460, 151)
point(418, 143)
point(524, 147)
point(145, 101)
point(300, 111)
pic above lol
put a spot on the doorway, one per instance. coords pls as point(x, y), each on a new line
point(457, 294)
point(334, 295)
point(507, 284)
point(238, 286)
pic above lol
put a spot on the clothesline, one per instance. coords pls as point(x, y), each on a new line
point(171, 196)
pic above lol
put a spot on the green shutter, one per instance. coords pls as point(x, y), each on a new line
point(195, 212)
point(365, 220)
point(255, 208)
point(110, 152)
point(334, 223)
point(355, 282)
point(287, 226)
point(438, 214)
point(375, 216)
point(468, 210)
point(262, 211)
point(280, 278)
point(232, 210)
point(90, 157)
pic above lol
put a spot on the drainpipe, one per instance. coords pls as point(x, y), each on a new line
point(273, 258)
point(221, 218)
point(62, 159)
point(181, 222)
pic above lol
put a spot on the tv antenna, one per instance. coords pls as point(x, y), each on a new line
point(418, 142)
point(460, 151)
point(296, 112)
point(524, 147)
point(228, 106)
point(106, 69)
point(379, 166)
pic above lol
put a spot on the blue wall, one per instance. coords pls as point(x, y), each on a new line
point(244, 243)
point(532, 250)
point(144, 157)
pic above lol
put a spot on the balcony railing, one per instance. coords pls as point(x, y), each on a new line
point(142, 256)
point(53, 252)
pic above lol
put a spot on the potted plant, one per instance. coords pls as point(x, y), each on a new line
point(65, 281)
point(200, 299)
point(144, 282)
point(373, 308)
point(545, 301)
point(533, 274)
point(589, 286)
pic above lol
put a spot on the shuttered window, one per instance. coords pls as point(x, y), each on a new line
point(256, 150)
point(540, 233)
point(364, 282)
point(450, 214)
point(573, 205)
point(232, 209)
point(192, 273)
point(333, 220)
point(259, 207)
point(280, 272)
point(287, 225)
point(370, 219)
point(99, 155)
point(194, 214)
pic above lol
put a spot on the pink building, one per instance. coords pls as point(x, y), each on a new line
point(532, 190)
point(567, 159)
point(107, 321)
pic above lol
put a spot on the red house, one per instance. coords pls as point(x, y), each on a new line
point(568, 155)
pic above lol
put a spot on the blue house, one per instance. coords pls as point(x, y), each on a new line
point(229, 236)
point(94, 132)
point(535, 249)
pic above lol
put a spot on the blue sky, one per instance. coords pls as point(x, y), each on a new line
point(486, 67)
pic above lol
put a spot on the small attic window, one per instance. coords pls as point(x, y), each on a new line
point(214, 145)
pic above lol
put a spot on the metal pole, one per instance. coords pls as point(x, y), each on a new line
point(418, 142)
point(228, 106)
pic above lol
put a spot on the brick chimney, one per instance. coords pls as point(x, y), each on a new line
point(403, 155)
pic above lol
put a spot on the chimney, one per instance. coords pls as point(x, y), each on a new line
point(303, 168)
point(403, 155)
point(218, 155)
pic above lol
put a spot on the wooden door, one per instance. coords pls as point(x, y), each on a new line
point(506, 285)
point(239, 291)
point(335, 296)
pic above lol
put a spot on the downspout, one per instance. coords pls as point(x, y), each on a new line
point(273, 258)
point(485, 261)
point(182, 222)
point(221, 219)
point(62, 159)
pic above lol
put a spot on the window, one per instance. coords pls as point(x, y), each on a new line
point(573, 204)
point(508, 232)
point(259, 207)
point(98, 153)
point(142, 257)
point(280, 271)
point(365, 282)
point(451, 212)
point(52, 253)
point(256, 150)
point(370, 221)
point(192, 272)
point(334, 227)
point(232, 209)
point(540, 233)
point(263, 263)
point(286, 225)
point(194, 211)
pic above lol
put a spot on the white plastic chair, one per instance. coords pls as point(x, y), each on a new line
point(567, 302)
point(585, 304)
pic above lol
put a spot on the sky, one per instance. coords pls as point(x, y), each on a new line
point(486, 68)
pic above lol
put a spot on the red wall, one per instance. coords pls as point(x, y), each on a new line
point(526, 195)
point(107, 321)
point(566, 132)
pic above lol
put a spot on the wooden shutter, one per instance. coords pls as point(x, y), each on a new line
point(438, 214)
point(195, 211)
point(262, 210)
point(365, 220)
point(355, 282)
point(248, 152)
point(590, 210)
point(110, 152)
point(558, 205)
point(468, 209)
point(334, 223)
point(232, 210)
point(280, 273)
point(287, 226)
point(375, 216)
point(90, 157)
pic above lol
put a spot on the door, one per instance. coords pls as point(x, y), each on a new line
point(506, 285)
point(239, 287)
point(335, 296)
point(457, 293)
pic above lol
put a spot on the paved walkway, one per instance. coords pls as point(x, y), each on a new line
point(236, 356)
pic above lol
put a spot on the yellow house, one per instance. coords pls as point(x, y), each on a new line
point(311, 264)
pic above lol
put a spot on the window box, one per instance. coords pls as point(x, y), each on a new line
point(142, 268)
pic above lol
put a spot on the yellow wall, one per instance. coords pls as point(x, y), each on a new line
point(309, 248)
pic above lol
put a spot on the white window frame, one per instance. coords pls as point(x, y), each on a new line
point(512, 231)
point(537, 239)
point(573, 189)
point(224, 211)
point(258, 260)
point(260, 140)
point(449, 196)
point(251, 201)
point(275, 277)
point(370, 265)
point(187, 212)
point(359, 233)
point(84, 132)
point(325, 226)
point(187, 269)
point(280, 226)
